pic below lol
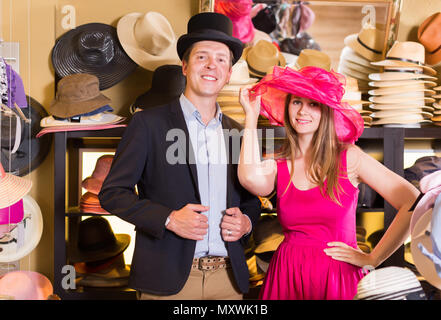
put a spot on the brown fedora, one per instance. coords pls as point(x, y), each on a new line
point(77, 94)
point(406, 54)
point(311, 57)
point(369, 43)
point(429, 36)
point(261, 57)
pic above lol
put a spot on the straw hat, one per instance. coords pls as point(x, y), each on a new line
point(311, 57)
point(148, 38)
point(240, 75)
point(405, 54)
point(398, 83)
point(402, 119)
point(400, 106)
point(12, 188)
point(400, 112)
point(347, 54)
point(359, 67)
point(430, 37)
point(399, 74)
point(369, 43)
point(401, 89)
point(406, 97)
point(352, 94)
point(262, 56)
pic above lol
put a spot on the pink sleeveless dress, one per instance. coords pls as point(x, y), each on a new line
point(299, 269)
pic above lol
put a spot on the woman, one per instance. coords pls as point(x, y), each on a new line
point(316, 175)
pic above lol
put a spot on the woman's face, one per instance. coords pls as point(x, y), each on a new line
point(304, 115)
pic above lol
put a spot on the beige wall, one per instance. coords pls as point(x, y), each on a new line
point(35, 25)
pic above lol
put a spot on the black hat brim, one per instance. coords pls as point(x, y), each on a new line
point(187, 40)
point(66, 61)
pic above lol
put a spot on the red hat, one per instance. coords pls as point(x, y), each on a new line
point(326, 87)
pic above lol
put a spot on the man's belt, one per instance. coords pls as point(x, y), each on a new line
point(211, 263)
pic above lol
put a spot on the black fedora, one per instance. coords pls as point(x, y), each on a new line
point(96, 241)
point(168, 83)
point(210, 26)
point(31, 151)
point(92, 48)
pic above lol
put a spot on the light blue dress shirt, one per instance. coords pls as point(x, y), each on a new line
point(211, 162)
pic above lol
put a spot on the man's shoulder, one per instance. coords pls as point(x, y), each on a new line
point(157, 113)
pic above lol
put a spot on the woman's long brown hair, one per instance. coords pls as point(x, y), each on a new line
point(324, 154)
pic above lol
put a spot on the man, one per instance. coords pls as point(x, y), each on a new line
point(192, 217)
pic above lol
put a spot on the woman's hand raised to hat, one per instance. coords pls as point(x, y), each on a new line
point(250, 104)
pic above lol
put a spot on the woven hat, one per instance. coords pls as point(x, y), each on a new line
point(347, 54)
point(400, 106)
point(390, 283)
point(12, 188)
point(96, 241)
point(210, 26)
point(399, 74)
point(148, 38)
point(402, 119)
point(406, 54)
point(24, 236)
point(261, 57)
point(399, 83)
point(430, 37)
point(311, 57)
point(417, 96)
point(352, 94)
point(369, 43)
point(419, 87)
point(425, 245)
point(25, 285)
point(168, 83)
point(77, 94)
point(312, 83)
point(400, 112)
point(92, 48)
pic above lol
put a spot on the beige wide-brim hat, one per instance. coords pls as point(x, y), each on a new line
point(437, 88)
point(369, 43)
point(315, 58)
point(149, 39)
point(400, 112)
point(240, 74)
point(400, 106)
point(394, 75)
point(423, 264)
point(437, 105)
point(398, 83)
point(261, 57)
point(406, 54)
point(407, 97)
point(358, 67)
point(401, 89)
point(353, 73)
point(349, 55)
point(402, 119)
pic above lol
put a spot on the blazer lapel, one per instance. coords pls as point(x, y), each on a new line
point(228, 148)
point(178, 121)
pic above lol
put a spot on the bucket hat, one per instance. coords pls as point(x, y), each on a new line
point(31, 152)
point(406, 54)
point(77, 94)
point(426, 245)
point(168, 83)
point(96, 241)
point(261, 57)
point(25, 285)
point(92, 48)
point(313, 83)
point(22, 238)
point(390, 283)
point(148, 38)
point(210, 26)
point(369, 43)
point(429, 36)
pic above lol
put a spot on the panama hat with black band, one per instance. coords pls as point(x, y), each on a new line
point(210, 26)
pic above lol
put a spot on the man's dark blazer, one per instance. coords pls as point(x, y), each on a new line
point(162, 260)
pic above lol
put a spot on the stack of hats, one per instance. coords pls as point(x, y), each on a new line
point(98, 256)
point(228, 97)
point(436, 119)
point(261, 57)
point(89, 202)
point(79, 105)
point(402, 96)
point(359, 51)
point(353, 97)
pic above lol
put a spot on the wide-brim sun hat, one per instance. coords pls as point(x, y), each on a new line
point(369, 43)
point(210, 26)
point(400, 106)
point(148, 39)
point(398, 83)
point(399, 74)
point(417, 96)
point(402, 119)
point(400, 112)
point(92, 48)
point(312, 83)
point(401, 89)
point(261, 57)
point(12, 188)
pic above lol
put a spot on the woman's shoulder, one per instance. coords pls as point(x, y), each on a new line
point(354, 154)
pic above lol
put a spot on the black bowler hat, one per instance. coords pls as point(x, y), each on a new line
point(168, 83)
point(96, 241)
point(92, 48)
point(211, 26)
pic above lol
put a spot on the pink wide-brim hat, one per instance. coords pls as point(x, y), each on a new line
point(12, 188)
point(12, 214)
point(25, 285)
point(326, 87)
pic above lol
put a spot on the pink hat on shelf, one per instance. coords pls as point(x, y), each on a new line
point(326, 87)
point(12, 214)
point(12, 188)
point(239, 12)
point(25, 285)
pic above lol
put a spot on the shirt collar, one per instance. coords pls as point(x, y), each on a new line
point(190, 110)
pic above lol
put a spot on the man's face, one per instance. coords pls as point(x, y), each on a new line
point(208, 68)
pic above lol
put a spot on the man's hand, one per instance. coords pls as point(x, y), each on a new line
point(234, 224)
point(188, 223)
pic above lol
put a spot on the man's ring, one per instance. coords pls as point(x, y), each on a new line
point(229, 232)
